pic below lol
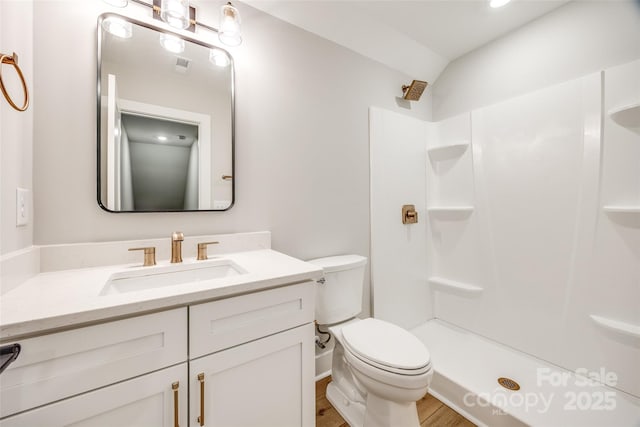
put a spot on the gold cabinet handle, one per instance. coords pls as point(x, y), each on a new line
point(227, 177)
point(174, 387)
point(202, 249)
point(149, 255)
point(201, 417)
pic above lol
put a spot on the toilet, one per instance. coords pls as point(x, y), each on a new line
point(379, 370)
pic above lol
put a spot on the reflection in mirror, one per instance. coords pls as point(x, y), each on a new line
point(165, 122)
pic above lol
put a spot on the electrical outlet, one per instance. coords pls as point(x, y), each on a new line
point(22, 207)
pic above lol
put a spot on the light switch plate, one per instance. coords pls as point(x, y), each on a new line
point(22, 207)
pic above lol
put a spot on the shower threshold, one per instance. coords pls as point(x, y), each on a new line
point(467, 367)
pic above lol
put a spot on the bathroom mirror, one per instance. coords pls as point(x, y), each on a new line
point(165, 120)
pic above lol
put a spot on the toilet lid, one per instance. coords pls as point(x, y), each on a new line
point(386, 344)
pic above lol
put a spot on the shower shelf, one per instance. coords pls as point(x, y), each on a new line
point(450, 209)
point(442, 284)
point(448, 151)
point(621, 209)
point(628, 115)
point(617, 326)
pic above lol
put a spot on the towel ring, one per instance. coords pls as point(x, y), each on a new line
point(13, 60)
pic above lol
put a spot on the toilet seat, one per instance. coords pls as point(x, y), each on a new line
point(385, 346)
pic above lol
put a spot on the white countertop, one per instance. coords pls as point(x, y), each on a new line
point(64, 299)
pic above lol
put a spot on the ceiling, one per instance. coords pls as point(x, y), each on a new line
point(146, 130)
point(417, 37)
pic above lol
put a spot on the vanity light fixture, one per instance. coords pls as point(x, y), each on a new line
point(219, 57)
point(175, 13)
point(179, 14)
point(173, 44)
point(118, 27)
point(161, 138)
point(498, 3)
point(229, 31)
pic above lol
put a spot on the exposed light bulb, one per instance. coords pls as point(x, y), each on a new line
point(175, 13)
point(118, 27)
point(162, 138)
point(219, 57)
point(229, 30)
point(172, 43)
point(498, 3)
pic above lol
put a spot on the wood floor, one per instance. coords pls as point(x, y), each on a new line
point(431, 411)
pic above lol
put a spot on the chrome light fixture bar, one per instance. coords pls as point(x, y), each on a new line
point(174, 13)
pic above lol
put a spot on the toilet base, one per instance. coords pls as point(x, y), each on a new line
point(384, 413)
point(352, 412)
point(380, 413)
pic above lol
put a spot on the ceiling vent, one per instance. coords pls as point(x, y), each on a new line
point(182, 64)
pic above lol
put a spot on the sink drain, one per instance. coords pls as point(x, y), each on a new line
point(508, 383)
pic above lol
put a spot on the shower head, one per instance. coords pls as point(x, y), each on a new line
point(413, 92)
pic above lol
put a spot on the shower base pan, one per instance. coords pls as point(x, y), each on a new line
point(468, 366)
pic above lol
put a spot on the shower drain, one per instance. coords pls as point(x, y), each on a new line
point(508, 383)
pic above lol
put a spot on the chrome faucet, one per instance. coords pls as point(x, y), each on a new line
point(176, 246)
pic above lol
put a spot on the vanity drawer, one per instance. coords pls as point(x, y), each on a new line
point(222, 324)
point(59, 365)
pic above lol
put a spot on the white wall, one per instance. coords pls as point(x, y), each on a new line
point(398, 251)
point(577, 39)
point(16, 128)
point(302, 163)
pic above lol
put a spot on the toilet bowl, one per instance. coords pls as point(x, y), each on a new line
point(379, 370)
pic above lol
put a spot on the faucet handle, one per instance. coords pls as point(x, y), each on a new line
point(202, 250)
point(149, 255)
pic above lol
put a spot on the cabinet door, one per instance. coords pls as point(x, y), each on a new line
point(264, 383)
point(149, 400)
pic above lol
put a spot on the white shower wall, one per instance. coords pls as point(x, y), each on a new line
point(398, 250)
point(520, 248)
point(549, 256)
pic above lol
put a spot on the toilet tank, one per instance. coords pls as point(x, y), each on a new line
point(339, 292)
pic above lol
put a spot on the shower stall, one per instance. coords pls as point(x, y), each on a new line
point(525, 261)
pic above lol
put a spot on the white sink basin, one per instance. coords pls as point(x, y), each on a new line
point(170, 275)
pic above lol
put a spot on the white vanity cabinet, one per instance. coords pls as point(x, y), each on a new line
point(260, 372)
point(246, 360)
